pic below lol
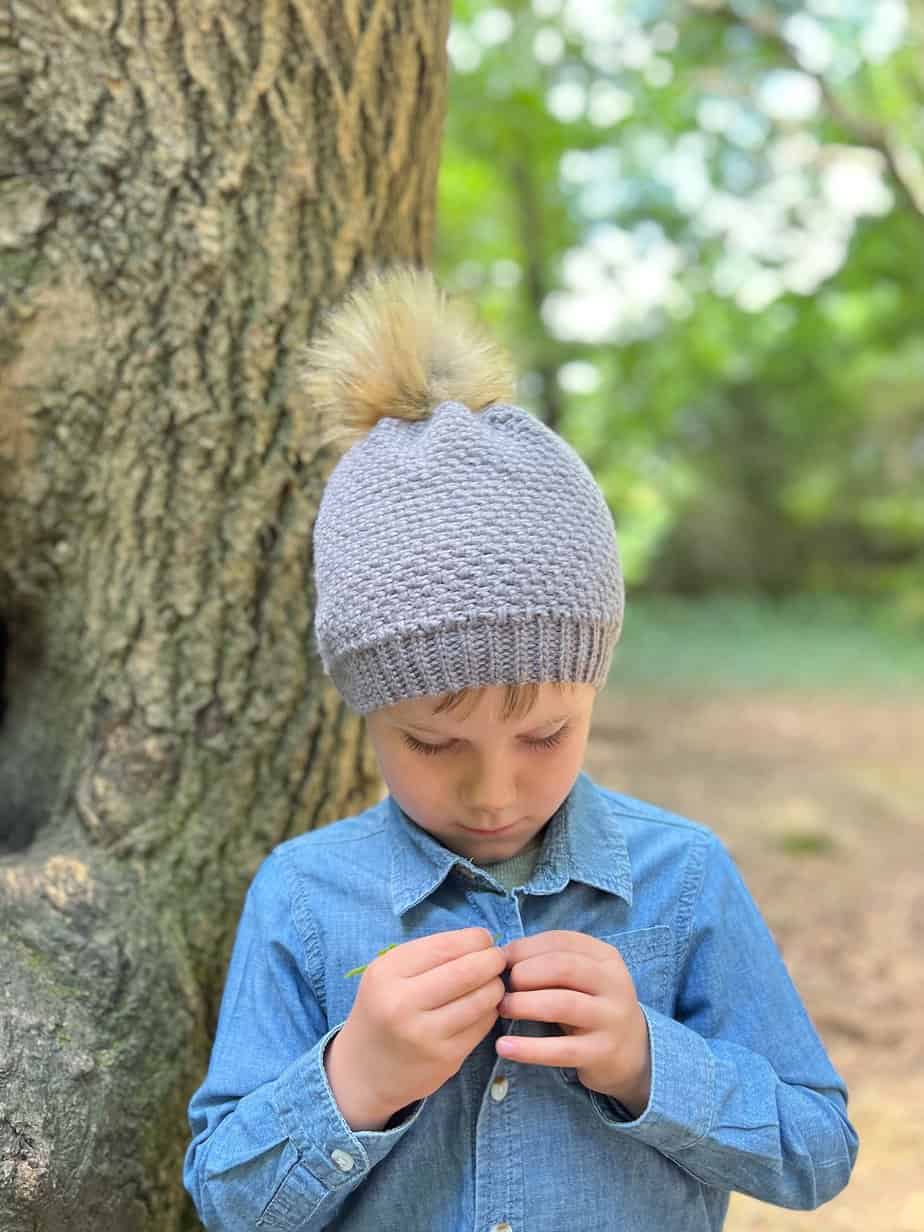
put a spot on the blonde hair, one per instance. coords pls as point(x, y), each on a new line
point(397, 346)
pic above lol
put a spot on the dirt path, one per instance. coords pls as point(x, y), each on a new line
point(819, 801)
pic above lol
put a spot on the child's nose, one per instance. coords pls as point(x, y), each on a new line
point(492, 800)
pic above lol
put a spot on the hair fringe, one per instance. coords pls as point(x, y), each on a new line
point(397, 346)
point(519, 699)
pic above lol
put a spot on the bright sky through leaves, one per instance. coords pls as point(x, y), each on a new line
point(749, 176)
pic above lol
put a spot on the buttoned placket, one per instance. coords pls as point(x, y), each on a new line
point(499, 1185)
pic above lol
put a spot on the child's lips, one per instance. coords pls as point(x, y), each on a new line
point(490, 833)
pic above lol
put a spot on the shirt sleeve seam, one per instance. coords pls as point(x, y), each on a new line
point(690, 895)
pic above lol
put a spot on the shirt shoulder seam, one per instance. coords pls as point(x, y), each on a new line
point(305, 927)
point(317, 838)
point(691, 893)
point(658, 817)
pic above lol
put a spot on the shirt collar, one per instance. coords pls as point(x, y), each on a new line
point(583, 841)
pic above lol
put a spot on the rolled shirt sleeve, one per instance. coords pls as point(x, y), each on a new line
point(270, 1147)
point(743, 1095)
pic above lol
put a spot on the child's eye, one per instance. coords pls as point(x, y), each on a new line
point(547, 742)
point(419, 747)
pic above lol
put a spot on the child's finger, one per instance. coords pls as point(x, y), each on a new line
point(557, 970)
point(418, 955)
point(559, 1005)
point(558, 940)
point(561, 1050)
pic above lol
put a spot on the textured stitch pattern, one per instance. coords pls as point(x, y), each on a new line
point(469, 548)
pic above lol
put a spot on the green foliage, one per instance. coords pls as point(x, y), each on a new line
point(807, 843)
point(682, 220)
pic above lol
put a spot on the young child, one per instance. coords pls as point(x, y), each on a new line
point(504, 998)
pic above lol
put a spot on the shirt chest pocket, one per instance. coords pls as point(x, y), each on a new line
point(647, 953)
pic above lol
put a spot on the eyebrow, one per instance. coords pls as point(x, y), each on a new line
point(432, 731)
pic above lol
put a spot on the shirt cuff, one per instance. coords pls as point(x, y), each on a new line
point(327, 1146)
point(680, 1107)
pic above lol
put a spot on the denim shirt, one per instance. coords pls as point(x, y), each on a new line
point(743, 1095)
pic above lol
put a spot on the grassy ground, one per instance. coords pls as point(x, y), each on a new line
point(797, 736)
point(734, 643)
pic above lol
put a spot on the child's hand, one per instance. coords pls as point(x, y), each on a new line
point(420, 1009)
point(583, 985)
point(359, 970)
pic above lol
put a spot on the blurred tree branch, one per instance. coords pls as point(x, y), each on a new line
point(903, 161)
point(527, 192)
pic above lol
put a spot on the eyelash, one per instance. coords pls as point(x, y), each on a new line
point(547, 742)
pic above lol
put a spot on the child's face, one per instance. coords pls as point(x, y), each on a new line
point(486, 772)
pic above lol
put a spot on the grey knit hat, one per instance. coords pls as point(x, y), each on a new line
point(455, 545)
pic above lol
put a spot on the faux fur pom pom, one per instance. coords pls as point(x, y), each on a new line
point(397, 346)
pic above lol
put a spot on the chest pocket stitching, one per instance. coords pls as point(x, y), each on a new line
point(641, 944)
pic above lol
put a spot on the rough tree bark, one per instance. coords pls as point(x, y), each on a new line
point(184, 184)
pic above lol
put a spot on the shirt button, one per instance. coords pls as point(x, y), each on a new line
point(498, 1091)
point(503, 1226)
point(343, 1160)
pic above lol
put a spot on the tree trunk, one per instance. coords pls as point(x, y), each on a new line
point(544, 358)
point(184, 184)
